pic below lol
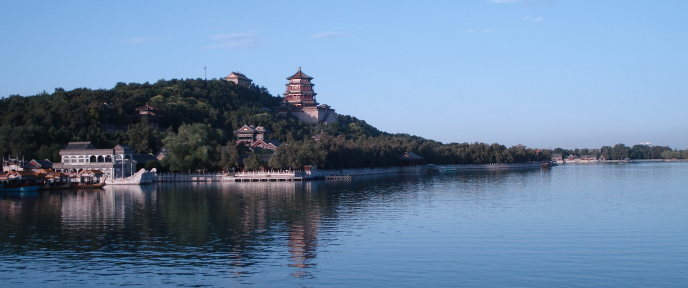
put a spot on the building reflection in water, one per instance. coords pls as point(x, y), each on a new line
point(239, 227)
point(99, 208)
point(242, 226)
point(295, 205)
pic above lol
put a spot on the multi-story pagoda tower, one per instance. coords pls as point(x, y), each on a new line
point(299, 100)
point(300, 90)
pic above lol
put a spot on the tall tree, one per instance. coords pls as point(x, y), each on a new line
point(230, 156)
point(254, 162)
point(192, 148)
point(142, 137)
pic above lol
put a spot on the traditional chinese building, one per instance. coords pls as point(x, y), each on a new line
point(589, 158)
point(162, 153)
point(38, 165)
point(148, 111)
point(249, 134)
point(11, 164)
point(410, 159)
point(299, 100)
point(254, 137)
point(239, 79)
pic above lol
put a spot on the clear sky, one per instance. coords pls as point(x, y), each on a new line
point(567, 73)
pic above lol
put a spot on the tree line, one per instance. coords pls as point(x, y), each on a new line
point(621, 151)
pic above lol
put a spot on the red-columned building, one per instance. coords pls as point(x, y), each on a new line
point(299, 100)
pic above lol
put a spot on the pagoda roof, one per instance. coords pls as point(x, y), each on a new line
point(146, 108)
point(299, 75)
point(91, 172)
point(410, 155)
point(35, 164)
point(245, 129)
point(237, 75)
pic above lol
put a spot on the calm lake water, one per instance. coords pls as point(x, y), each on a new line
point(575, 226)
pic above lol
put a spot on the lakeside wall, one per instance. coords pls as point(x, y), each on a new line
point(494, 166)
point(300, 175)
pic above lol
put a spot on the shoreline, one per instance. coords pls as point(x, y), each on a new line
point(333, 173)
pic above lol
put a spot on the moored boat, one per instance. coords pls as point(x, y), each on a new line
point(21, 181)
point(85, 185)
point(54, 180)
point(55, 185)
point(21, 187)
point(90, 179)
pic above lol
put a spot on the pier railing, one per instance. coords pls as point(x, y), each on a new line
point(293, 173)
point(188, 177)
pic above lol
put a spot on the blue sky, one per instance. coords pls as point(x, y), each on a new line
point(571, 74)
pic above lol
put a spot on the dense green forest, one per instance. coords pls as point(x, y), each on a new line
point(200, 115)
point(39, 126)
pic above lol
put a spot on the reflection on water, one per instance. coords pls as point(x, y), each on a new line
point(485, 228)
point(236, 224)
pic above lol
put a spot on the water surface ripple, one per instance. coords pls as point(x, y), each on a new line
point(574, 226)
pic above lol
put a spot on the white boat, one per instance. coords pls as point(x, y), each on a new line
point(142, 177)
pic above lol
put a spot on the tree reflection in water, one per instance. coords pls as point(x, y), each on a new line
point(234, 224)
point(233, 228)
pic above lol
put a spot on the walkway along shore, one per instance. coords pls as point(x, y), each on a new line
point(300, 175)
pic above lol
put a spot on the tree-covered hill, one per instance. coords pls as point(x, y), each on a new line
point(39, 126)
point(199, 117)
